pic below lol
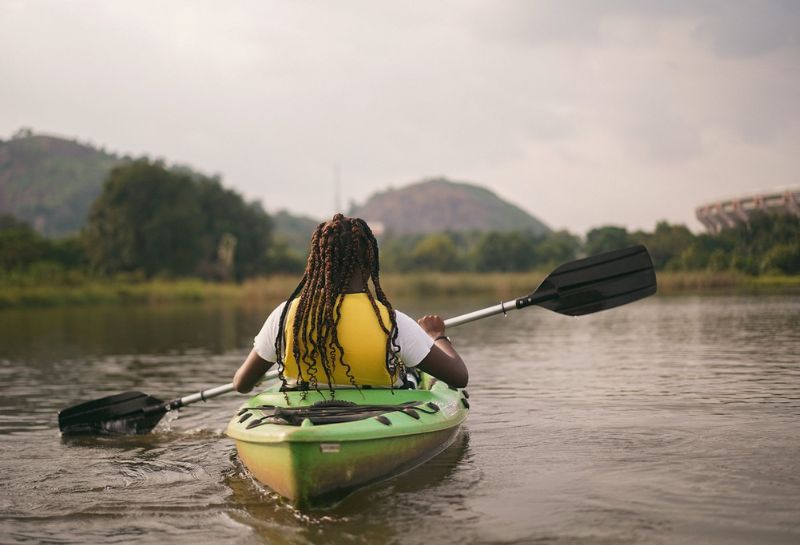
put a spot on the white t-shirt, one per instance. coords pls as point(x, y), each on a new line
point(414, 343)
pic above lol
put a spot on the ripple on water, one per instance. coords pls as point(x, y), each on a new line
point(673, 420)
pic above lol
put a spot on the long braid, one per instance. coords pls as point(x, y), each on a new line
point(351, 253)
point(309, 311)
point(280, 340)
point(305, 288)
point(323, 321)
point(394, 366)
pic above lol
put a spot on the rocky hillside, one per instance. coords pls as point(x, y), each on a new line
point(442, 205)
point(50, 182)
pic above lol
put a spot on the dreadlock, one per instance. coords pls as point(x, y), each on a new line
point(338, 248)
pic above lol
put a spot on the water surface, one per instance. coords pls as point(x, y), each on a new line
point(672, 420)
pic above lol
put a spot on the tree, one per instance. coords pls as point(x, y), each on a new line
point(496, 251)
point(161, 221)
point(557, 247)
point(606, 239)
point(782, 258)
point(395, 253)
point(226, 213)
point(752, 244)
point(20, 245)
point(435, 252)
point(282, 259)
point(146, 218)
point(666, 244)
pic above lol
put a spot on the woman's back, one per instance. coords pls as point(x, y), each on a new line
point(360, 358)
point(338, 330)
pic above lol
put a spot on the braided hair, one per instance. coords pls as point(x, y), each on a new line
point(338, 248)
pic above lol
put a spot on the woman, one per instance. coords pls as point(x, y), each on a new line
point(336, 330)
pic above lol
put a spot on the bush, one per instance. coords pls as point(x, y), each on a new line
point(20, 245)
point(783, 258)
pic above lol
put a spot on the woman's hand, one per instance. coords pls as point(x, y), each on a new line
point(432, 324)
point(443, 362)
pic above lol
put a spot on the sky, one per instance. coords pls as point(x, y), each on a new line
point(583, 113)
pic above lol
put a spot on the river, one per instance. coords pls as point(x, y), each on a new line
point(671, 420)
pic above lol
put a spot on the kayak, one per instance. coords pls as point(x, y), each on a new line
point(313, 449)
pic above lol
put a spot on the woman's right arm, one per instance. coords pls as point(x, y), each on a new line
point(254, 366)
point(250, 372)
point(442, 362)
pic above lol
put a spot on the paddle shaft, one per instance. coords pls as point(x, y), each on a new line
point(210, 393)
point(502, 308)
point(478, 314)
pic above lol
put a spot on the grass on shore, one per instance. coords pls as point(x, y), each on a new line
point(108, 292)
point(273, 288)
point(706, 282)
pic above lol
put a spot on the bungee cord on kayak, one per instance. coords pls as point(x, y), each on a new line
point(334, 412)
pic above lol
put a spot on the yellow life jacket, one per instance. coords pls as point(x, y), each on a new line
point(362, 339)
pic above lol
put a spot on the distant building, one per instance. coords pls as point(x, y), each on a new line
point(727, 213)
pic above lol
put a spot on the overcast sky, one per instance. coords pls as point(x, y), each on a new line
point(582, 113)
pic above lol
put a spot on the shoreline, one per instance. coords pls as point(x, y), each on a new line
point(501, 285)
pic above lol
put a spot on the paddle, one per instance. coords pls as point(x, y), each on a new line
point(584, 286)
point(576, 288)
point(129, 413)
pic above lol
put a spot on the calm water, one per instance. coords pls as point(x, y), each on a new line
point(673, 420)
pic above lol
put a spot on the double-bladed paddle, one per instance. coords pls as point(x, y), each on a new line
point(576, 288)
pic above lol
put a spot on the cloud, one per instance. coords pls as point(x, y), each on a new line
point(750, 28)
point(628, 95)
point(736, 29)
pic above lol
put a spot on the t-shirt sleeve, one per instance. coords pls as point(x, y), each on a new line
point(264, 342)
point(414, 343)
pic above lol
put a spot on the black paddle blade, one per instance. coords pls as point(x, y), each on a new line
point(130, 413)
point(596, 283)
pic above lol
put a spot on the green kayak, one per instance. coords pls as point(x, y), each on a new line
point(315, 450)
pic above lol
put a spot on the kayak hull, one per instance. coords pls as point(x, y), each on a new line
point(315, 464)
point(296, 472)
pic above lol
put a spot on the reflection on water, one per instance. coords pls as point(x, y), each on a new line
point(673, 420)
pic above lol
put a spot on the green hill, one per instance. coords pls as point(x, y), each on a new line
point(437, 205)
point(50, 182)
point(295, 231)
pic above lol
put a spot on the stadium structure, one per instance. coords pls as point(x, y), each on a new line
point(723, 214)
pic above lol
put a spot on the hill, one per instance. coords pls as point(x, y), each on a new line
point(50, 182)
point(439, 204)
point(295, 231)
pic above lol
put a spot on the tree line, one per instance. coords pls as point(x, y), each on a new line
point(767, 244)
point(153, 221)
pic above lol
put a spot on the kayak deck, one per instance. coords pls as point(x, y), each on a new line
point(310, 464)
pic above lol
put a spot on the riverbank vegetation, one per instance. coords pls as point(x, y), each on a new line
point(78, 290)
point(164, 234)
